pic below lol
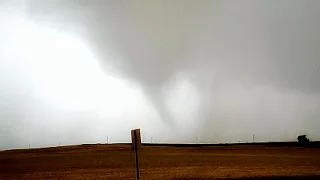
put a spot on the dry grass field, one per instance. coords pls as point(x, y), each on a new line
point(176, 163)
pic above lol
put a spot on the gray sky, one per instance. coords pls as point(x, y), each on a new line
point(76, 71)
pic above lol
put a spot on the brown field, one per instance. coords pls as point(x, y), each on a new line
point(117, 162)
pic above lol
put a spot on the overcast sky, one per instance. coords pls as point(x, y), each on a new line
point(77, 71)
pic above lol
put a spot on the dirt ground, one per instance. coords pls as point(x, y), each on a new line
point(176, 163)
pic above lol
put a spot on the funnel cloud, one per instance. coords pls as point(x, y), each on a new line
point(218, 71)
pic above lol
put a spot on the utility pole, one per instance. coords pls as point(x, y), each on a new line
point(252, 138)
point(107, 139)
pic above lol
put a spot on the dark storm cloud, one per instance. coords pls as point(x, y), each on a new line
point(260, 42)
point(240, 55)
point(250, 42)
